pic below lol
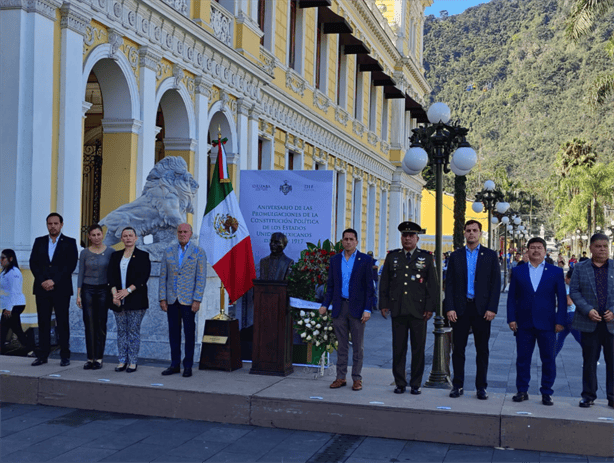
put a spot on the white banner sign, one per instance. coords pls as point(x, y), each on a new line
point(297, 203)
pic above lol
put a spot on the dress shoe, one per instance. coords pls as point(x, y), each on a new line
point(38, 362)
point(399, 390)
point(121, 367)
point(415, 391)
point(131, 370)
point(611, 403)
point(97, 365)
point(520, 396)
point(357, 386)
point(482, 394)
point(547, 400)
point(187, 372)
point(586, 403)
point(88, 365)
point(64, 362)
point(171, 371)
point(338, 383)
point(456, 392)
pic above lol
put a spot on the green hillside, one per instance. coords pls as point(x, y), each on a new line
point(527, 86)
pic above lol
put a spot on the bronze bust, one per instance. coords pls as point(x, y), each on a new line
point(277, 265)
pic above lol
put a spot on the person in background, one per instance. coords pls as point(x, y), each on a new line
point(127, 275)
point(571, 310)
point(12, 299)
point(93, 296)
point(584, 257)
point(573, 261)
point(561, 261)
point(375, 280)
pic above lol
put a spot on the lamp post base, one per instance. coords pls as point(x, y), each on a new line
point(440, 374)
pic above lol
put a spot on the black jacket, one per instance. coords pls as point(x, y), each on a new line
point(138, 272)
point(59, 269)
point(487, 283)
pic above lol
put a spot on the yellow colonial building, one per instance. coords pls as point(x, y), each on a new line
point(95, 92)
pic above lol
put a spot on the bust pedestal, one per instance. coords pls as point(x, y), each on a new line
point(272, 351)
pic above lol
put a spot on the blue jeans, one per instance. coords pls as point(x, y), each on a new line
point(560, 337)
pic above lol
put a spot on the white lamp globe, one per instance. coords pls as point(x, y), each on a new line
point(494, 221)
point(505, 220)
point(584, 237)
point(438, 112)
point(608, 232)
point(489, 185)
point(502, 207)
point(415, 160)
point(465, 158)
point(521, 228)
point(517, 220)
point(510, 228)
point(477, 207)
point(460, 172)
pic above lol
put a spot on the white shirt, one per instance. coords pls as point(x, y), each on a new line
point(11, 289)
point(52, 246)
point(535, 273)
point(123, 270)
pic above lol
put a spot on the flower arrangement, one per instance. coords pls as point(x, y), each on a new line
point(310, 273)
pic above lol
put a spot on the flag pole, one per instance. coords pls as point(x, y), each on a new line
point(222, 315)
point(221, 158)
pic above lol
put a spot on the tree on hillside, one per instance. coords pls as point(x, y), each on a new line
point(592, 187)
point(580, 23)
point(574, 153)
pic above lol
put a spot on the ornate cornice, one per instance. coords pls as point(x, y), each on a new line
point(73, 18)
point(121, 125)
point(148, 58)
point(45, 8)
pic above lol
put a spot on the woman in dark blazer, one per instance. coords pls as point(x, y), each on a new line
point(128, 273)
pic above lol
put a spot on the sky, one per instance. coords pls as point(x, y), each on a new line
point(452, 6)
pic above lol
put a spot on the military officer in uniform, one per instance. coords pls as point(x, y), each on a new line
point(408, 290)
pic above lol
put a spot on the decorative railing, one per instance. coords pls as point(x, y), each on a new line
point(222, 23)
point(182, 6)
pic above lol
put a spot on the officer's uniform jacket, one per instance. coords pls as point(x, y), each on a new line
point(409, 287)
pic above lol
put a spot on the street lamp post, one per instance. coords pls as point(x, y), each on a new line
point(490, 199)
point(433, 144)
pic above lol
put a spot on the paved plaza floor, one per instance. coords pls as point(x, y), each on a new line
point(46, 433)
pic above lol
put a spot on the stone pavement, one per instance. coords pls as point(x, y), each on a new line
point(37, 433)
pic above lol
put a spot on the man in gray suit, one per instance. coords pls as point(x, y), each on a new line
point(183, 275)
point(592, 291)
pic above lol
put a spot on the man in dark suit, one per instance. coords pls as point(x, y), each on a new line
point(536, 311)
point(52, 261)
point(350, 289)
point(592, 291)
point(408, 289)
point(473, 287)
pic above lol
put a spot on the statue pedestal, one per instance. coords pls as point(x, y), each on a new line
point(221, 348)
point(272, 351)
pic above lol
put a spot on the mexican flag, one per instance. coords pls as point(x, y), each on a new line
point(224, 235)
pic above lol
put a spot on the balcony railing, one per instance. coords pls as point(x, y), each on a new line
point(222, 23)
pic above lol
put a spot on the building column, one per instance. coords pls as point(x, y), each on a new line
point(243, 108)
point(70, 153)
point(120, 148)
point(148, 62)
point(395, 208)
point(201, 162)
point(26, 130)
point(397, 123)
point(253, 127)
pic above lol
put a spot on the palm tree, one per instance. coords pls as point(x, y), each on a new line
point(580, 22)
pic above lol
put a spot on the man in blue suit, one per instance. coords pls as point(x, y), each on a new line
point(183, 275)
point(350, 289)
point(592, 291)
point(536, 311)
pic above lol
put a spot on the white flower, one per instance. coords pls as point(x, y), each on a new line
point(300, 322)
point(303, 335)
point(312, 314)
point(316, 332)
point(302, 313)
point(326, 337)
point(317, 343)
point(309, 338)
point(324, 317)
point(318, 326)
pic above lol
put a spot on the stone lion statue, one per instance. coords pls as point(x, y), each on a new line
point(168, 195)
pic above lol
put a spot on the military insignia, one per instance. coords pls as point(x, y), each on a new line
point(421, 263)
point(225, 226)
point(418, 275)
point(285, 188)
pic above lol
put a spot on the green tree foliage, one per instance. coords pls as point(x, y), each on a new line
point(508, 73)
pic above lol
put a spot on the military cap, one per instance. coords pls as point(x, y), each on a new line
point(411, 227)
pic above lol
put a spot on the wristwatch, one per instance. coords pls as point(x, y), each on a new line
point(129, 290)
